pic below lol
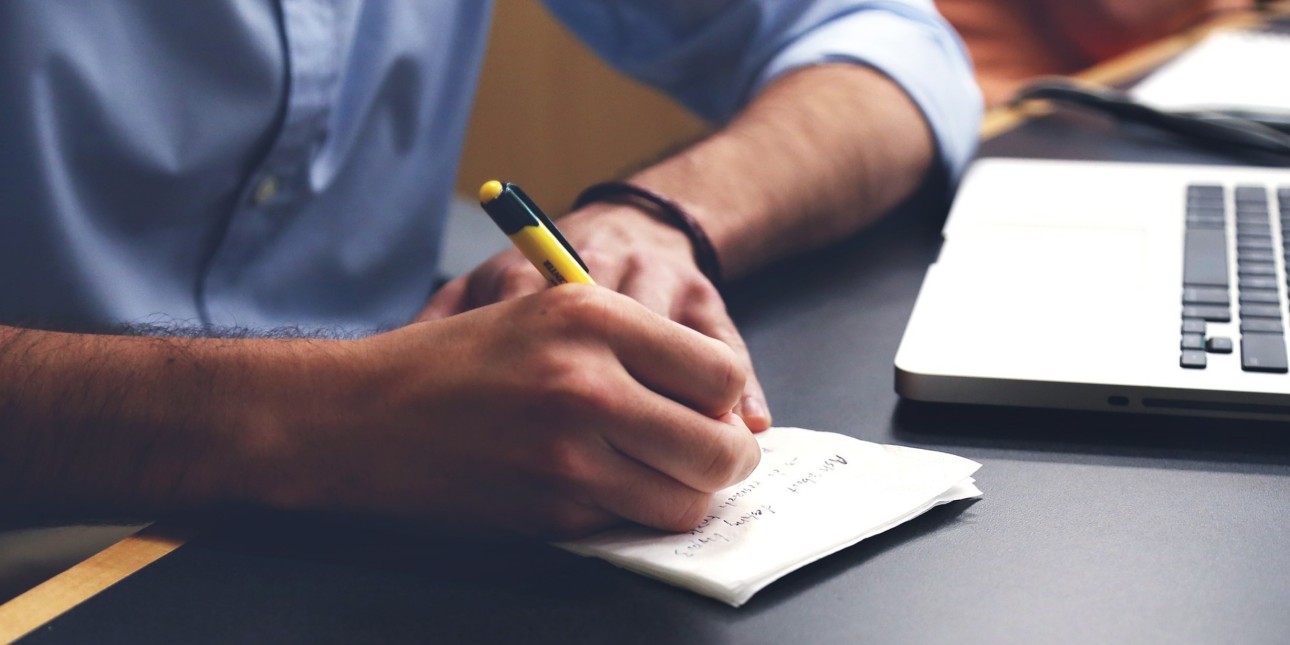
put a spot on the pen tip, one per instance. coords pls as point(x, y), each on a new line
point(489, 191)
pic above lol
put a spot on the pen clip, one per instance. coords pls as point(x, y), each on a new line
point(550, 225)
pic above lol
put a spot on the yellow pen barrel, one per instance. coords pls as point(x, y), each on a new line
point(545, 252)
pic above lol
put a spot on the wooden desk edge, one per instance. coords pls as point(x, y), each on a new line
point(52, 598)
point(59, 594)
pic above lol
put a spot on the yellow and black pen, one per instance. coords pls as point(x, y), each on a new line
point(533, 233)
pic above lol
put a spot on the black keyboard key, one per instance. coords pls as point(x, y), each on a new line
point(1259, 297)
point(1263, 353)
point(1207, 204)
point(1257, 269)
point(1253, 211)
point(1244, 256)
point(1193, 359)
point(1262, 326)
point(1205, 296)
point(1257, 282)
point(1193, 341)
point(1261, 229)
point(1260, 311)
point(1255, 232)
point(1200, 210)
point(1205, 258)
point(1193, 326)
point(1254, 243)
point(1251, 194)
point(1206, 223)
point(1264, 234)
point(1205, 190)
point(1212, 313)
point(1219, 345)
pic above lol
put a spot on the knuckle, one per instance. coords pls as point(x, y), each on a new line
point(687, 512)
point(563, 465)
point(581, 307)
point(701, 291)
point(733, 458)
point(752, 458)
point(514, 278)
point(733, 375)
point(597, 258)
point(636, 263)
point(513, 272)
point(724, 465)
point(576, 391)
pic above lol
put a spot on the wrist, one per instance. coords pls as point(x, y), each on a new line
point(136, 426)
point(663, 209)
point(292, 399)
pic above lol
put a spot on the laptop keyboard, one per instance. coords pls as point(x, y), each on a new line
point(1207, 307)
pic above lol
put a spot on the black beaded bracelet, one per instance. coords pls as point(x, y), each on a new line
point(705, 255)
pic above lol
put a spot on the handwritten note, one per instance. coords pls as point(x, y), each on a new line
point(813, 494)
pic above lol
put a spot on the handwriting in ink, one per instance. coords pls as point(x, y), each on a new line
point(698, 543)
point(751, 516)
point(831, 464)
point(737, 495)
point(701, 536)
point(707, 519)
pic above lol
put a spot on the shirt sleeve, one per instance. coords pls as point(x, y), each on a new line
point(714, 55)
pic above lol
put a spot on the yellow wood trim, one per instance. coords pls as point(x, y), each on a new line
point(1002, 119)
point(27, 612)
point(1121, 68)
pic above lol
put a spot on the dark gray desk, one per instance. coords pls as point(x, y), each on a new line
point(1093, 528)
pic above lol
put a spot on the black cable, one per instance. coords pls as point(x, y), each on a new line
point(1234, 132)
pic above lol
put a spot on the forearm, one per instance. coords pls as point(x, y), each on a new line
point(818, 155)
point(111, 425)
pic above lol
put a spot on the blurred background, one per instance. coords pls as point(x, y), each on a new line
point(554, 119)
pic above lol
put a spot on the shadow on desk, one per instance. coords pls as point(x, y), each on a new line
point(313, 578)
point(1063, 435)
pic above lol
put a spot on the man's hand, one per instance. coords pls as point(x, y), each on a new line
point(554, 414)
point(630, 252)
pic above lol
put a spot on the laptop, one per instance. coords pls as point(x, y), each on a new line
point(1108, 286)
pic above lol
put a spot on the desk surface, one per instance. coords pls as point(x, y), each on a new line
point(1094, 527)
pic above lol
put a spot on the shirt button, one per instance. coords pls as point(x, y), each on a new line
point(267, 188)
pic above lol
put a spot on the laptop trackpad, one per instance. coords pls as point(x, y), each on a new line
point(1066, 297)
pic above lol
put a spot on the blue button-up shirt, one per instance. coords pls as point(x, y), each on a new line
point(259, 163)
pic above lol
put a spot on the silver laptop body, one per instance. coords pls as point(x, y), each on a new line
point(1061, 284)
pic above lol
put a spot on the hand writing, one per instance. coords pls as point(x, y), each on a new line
point(630, 252)
point(554, 414)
